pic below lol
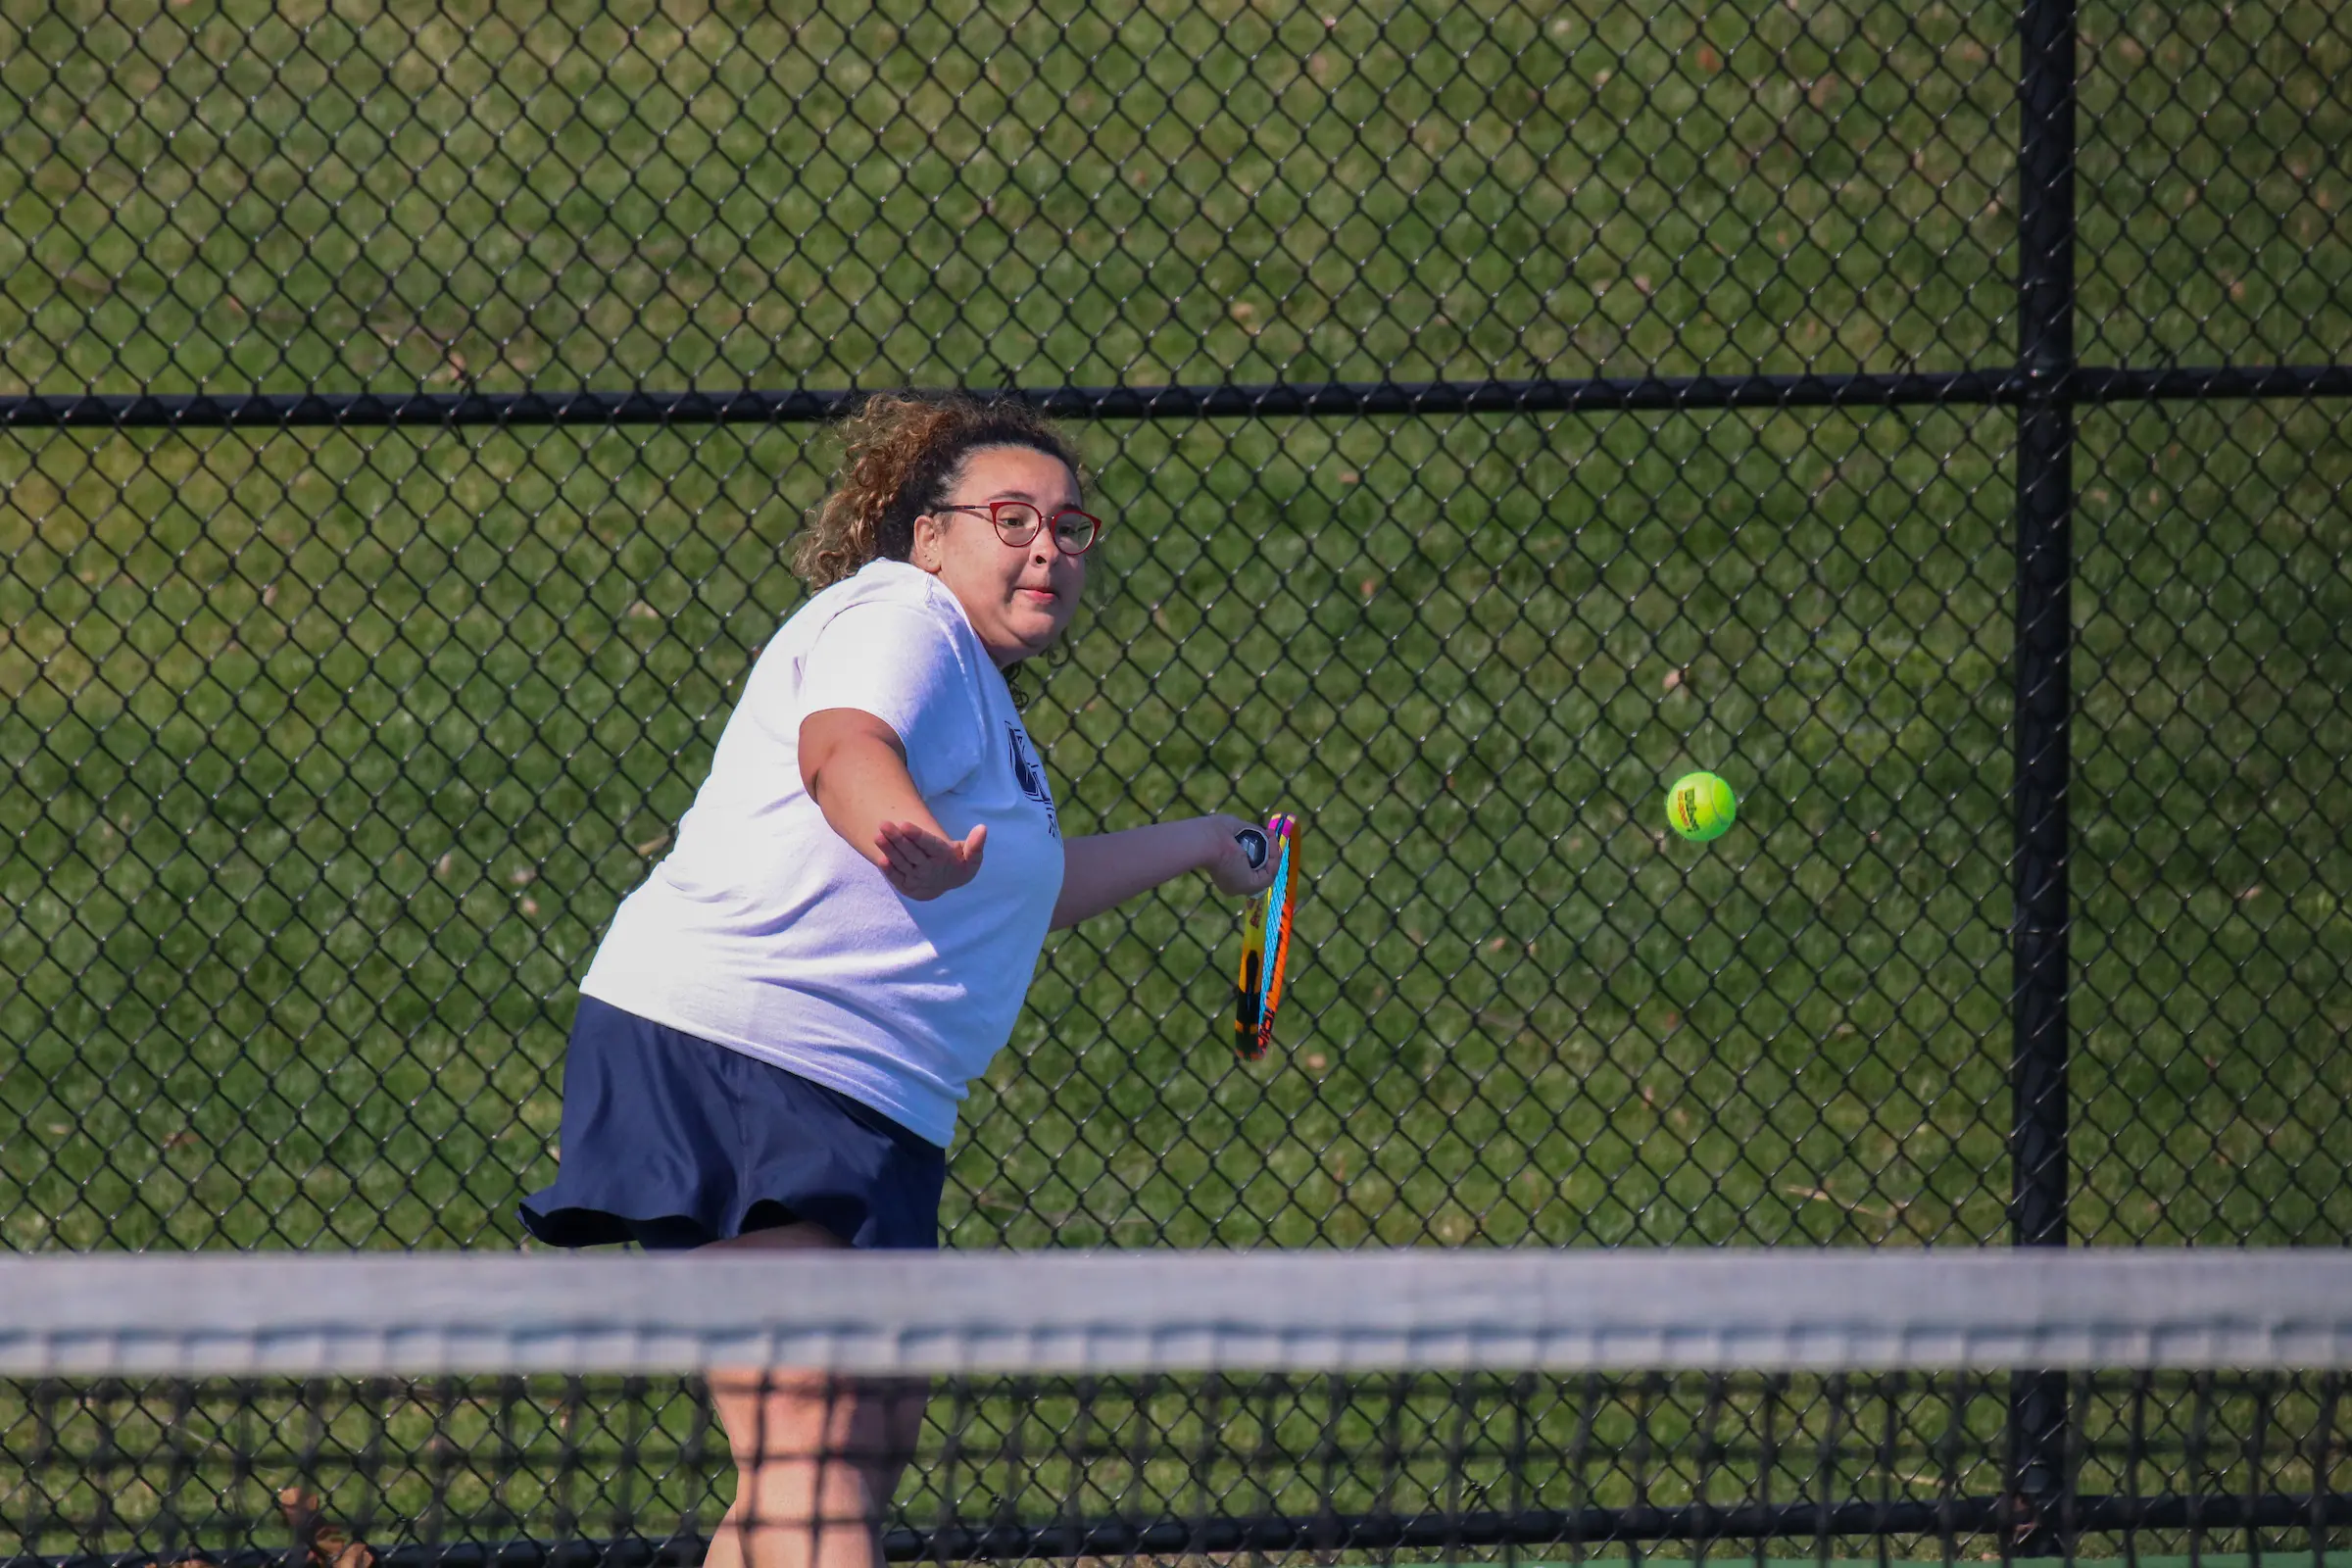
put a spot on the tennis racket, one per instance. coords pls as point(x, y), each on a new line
point(1265, 937)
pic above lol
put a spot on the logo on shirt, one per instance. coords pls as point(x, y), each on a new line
point(1029, 775)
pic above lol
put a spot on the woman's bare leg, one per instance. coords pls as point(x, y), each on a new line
point(817, 1456)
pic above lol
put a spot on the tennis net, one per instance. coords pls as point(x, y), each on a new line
point(1425, 1406)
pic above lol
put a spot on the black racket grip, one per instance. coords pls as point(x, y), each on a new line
point(1254, 845)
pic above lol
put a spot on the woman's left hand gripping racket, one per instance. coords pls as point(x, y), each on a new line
point(1265, 937)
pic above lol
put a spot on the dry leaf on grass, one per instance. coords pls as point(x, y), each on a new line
point(324, 1543)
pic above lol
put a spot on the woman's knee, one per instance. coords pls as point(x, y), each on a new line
point(784, 1415)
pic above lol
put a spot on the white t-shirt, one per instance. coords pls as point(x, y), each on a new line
point(762, 930)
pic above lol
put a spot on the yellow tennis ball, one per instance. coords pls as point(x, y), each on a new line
point(1700, 806)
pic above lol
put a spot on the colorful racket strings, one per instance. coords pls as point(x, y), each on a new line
point(1266, 945)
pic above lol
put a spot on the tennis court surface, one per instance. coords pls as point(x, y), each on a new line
point(2161, 1409)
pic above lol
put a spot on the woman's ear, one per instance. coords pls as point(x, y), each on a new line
point(929, 543)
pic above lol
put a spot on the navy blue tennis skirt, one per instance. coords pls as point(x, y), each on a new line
point(670, 1141)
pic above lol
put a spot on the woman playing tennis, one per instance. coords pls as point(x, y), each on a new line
point(775, 1033)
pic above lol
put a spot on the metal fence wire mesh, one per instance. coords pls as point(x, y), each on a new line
point(1341, 1468)
point(1278, 1405)
point(1499, 408)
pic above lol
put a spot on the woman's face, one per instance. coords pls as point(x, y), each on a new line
point(1018, 598)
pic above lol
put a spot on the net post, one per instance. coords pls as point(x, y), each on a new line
point(2039, 1478)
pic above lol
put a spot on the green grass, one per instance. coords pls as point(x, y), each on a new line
point(154, 1467)
point(330, 753)
point(739, 195)
point(315, 826)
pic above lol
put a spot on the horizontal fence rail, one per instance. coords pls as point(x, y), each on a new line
point(2082, 384)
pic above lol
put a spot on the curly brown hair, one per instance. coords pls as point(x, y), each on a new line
point(900, 451)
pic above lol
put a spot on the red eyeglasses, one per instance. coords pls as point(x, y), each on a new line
point(1016, 523)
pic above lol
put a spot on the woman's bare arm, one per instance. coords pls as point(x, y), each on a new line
point(854, 766)
point(1103, 871)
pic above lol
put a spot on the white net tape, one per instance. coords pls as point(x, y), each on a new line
point(1175, 1311)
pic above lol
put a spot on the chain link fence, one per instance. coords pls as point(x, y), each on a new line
point(1499, 408)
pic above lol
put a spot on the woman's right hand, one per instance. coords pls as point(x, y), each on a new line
point(1228, 863)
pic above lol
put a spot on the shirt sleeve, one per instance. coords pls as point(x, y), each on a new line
point(903, 667)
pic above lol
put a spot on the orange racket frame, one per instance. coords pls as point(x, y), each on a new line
point(1266, 945)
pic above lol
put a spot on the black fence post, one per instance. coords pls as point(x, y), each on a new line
point(2038, 1173)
